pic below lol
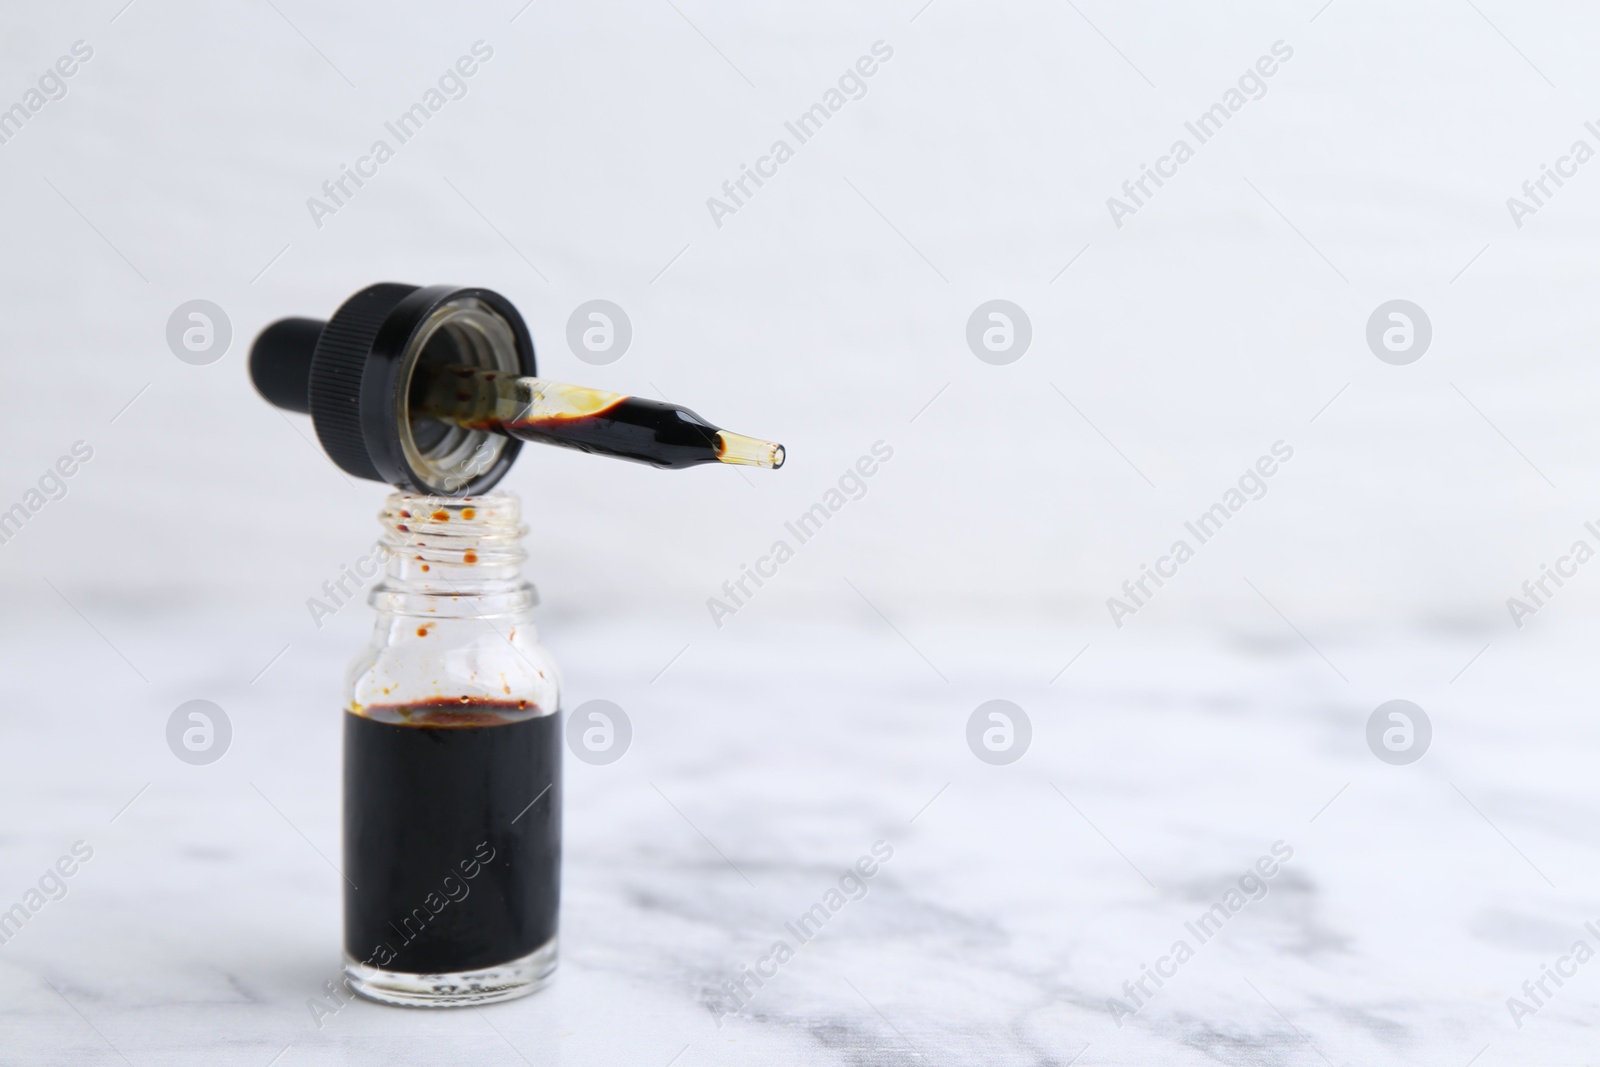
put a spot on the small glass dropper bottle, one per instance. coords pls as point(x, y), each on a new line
point(452, 766)
point(452, 754)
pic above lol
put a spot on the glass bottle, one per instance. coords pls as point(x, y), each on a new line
point(452, 766)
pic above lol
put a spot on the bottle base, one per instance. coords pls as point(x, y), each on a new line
point(459, 989)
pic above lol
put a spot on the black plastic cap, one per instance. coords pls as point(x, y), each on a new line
point(280, 363)
point(343, 353)
point(353, 375)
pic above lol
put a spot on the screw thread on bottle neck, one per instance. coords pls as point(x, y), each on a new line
point(458, 554)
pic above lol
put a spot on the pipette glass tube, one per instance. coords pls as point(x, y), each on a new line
point(590, 420)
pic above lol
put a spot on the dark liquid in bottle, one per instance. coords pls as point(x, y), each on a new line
point(452, 835)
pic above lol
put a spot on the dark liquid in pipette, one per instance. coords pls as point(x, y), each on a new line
point(646, 431)
point(456, 865)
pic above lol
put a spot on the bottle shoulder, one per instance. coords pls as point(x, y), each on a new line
point(423, 660)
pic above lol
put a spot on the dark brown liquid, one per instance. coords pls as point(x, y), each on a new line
point(646, 431)
point(452, 835)
point(446, 389)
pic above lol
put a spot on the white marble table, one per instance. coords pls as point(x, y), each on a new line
point(766, 760)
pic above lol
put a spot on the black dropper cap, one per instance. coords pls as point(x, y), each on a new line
point(280, 363)
point(353, 375)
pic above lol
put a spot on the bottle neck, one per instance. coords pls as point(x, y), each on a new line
point(452, 556)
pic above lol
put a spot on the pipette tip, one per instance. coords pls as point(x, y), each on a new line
point(744, 451)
